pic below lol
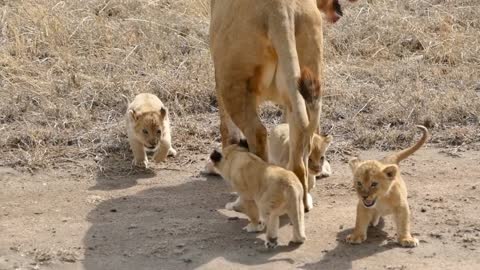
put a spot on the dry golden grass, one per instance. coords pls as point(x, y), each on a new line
point(66, 66)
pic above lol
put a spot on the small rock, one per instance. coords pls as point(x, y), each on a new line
point(113, 210)
point(423, 210)
point(38, 213)
point(186, 260)
point(132, 226)
point(68, 258)
point(180, 245)
point(341, 227)
point(474, 187)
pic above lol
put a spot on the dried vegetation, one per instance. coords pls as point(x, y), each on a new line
point(67, 68)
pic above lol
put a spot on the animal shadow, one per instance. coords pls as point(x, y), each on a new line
point(117, 172)
point(173, 227)
point(343, 255)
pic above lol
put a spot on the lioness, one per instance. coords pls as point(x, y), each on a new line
point(318, 166)
point(148, 129)
point(382, 191)
point(259, 49)
point(267, 191)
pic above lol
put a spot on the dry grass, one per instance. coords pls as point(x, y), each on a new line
point(66, 65)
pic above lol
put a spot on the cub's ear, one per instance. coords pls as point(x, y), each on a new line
point(390, 171)
point(133, 115)
point(216, 156)
point(354, 163)
point(163, 112)
point(243, 143)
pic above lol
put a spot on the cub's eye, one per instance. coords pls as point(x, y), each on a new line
point(374, 184)
point(159, 132)
point(359, 184)
point(145, 131)
point(322, 158)
point(310, 161)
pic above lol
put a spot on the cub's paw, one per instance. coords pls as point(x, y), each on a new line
point(375, 221)
point(230, 206)
point(298, 240)
point(254, 227)
point(158, 158)
point(235, 206)
point(172, 152)
point(210, 169)
point(355, 239)
point(140, 163)
point(271, 243)
point(309, 205)
point(408, 242)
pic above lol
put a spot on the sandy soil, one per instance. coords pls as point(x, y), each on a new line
point(173, 218)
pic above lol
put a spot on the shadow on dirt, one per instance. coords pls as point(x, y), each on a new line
point(171, 227)
point(116, 172)
point(343, 255)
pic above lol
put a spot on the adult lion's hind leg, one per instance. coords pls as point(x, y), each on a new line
point(240, 104)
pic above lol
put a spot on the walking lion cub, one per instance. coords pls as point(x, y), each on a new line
point(267, 191)
point(318, 165)
point(148, 129)
point(382, 191)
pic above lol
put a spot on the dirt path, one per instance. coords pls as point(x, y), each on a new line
point(175, 219)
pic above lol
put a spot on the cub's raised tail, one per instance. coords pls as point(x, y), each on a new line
point(399, 156)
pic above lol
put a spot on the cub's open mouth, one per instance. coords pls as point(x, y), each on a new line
point(369, 203)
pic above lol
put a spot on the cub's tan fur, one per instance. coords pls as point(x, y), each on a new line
point(382, 191)
point(148, 129)
point(318, 166)
point(267, 191)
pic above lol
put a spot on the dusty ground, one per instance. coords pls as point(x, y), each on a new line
point(174, 219)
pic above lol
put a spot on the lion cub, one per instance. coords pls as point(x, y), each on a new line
point(318, 166)
point(382, 191)
point(148, 129)
point(267, 191)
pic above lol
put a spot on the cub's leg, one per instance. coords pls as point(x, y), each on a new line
point(375, 219)
point(364, 217)
point(311, 184)
point(295, 212)
point(237, 205)
point(402, 220)
point(251, 211)
point(139, 155)
point(162, 151)
point(272, 221)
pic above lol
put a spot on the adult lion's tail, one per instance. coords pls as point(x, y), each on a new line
point(399, 156)
point(311, 91)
